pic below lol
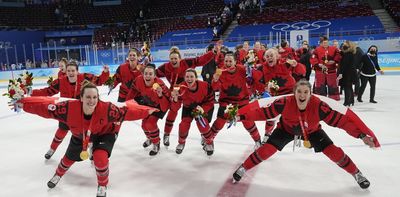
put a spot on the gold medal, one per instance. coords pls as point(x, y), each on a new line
point(218, 71)
point(155, 86)
point(207, 76)
point(84, 155)
point(306, 144)
point(326, 61)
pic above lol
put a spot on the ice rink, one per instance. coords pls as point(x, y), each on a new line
point(25, 138)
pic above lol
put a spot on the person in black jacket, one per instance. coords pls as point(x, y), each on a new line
point(368, 72)
point(347, 71)
point(357, 63)
point(305, 56)
point(208, 70)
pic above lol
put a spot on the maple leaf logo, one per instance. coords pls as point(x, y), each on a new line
point(233, 90)
point(129, 84)
point(280, 81)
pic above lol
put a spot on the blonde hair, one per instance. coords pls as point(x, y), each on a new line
point(174, 50)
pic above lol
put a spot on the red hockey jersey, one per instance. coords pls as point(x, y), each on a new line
point(176, 75)
point(149, 96)
point(322, 56)
point(126, 76)
point(70, 112)
point(202, 96)
point(70, 90)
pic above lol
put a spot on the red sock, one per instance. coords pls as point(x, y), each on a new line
point(252, 129)
point(58, 138)
point(169, 123)
point(64, 165)
point(261, 154)
point(100, 159)
point(269, 126)
point(337, 155)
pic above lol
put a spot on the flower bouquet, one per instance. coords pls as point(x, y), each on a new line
point(198, 114)
point(25, 80)
point(15, 92)
point(273, 87)
point(110, 84)
point(231, 112)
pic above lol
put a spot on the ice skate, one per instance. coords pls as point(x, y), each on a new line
point(209, 148)
point(101, 191)
point(49, 153)
point(147, 143)
point(155, 149)
point(53, 181)
point(166, 140)
point(238, 174)
point(361, 180)
point(179, 148)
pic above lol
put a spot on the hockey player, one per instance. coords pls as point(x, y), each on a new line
point(94, 125)
point(324, 61)
point(231, 83)
point(126, 74)
point(277, 72)
point(153, 93)
point(174, 71)
point(197, 98)
point(68, 87)
point(300, 117)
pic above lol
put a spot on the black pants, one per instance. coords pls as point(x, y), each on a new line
point(348, 93)
point(372, 83)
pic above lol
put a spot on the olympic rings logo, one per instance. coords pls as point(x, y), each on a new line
point(105, 54)
point(301, 25)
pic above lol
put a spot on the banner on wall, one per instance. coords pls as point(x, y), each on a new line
point(297, 38)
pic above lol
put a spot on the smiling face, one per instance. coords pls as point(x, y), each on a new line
point(149, 76)
point(230, 63)
point(72, 73)
point(132, 56)
point(302, 94)
point(89, 99)
point(271, 57)
point(174, 59)
point(190, 78)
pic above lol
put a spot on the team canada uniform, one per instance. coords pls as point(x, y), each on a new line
point(305, 123)
point(176, 76)
point(202, 96)
point(325, 83)
point(67, 90)
point(281, 73)
point(149, 97)
point(103, 124)
point(126, 76)
point(233, 90)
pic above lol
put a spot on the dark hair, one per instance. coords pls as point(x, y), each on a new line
point(151, 66)
point(371, 47)
point(210, 47)
point(86, 85)
point(230, 53)
point(192, 70)
point(323, 38)
point(302, 82)
point(72, 63)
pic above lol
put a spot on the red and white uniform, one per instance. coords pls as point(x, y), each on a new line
point(233, 90)
point(70, 90)
point(202, 96)
point(126, 76)
point(325, 84)
point(176, 76)
point(105, 120)
point(149, 97)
